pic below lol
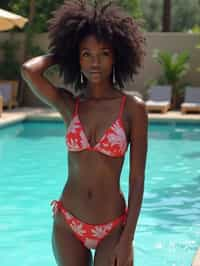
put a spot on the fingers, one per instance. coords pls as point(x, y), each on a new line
point(113, 261)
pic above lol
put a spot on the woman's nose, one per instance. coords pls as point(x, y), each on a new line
point(96, 60)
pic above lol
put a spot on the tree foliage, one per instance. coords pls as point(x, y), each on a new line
point(185, 14)
point(44, 10)
point(132, 6)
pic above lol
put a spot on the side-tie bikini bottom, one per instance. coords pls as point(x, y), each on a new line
point(89, 234)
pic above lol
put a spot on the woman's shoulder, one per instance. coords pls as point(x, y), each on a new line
point(135, 110)
point(134, 100)
point(135, 107)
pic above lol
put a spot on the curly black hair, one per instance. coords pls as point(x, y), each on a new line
point(76, 19)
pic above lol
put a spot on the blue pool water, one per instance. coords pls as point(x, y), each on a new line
point(33, 172)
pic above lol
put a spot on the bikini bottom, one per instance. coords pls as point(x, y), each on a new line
point(89, 234)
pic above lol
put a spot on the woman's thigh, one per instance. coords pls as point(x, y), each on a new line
point(67, 249)
point(105, 249)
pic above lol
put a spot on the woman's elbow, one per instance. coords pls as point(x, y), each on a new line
point(26, 68)
point(25, 71)
point(28, 72)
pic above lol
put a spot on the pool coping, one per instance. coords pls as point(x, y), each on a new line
point(27, 113)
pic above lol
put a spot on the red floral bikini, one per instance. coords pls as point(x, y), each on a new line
point(113, 143)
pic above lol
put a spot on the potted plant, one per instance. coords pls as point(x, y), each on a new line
point(174, 68)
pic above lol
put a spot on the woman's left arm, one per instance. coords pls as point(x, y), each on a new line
point(122, 254)
point(138, 151)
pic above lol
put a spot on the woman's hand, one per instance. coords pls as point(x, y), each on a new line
point(122, 254)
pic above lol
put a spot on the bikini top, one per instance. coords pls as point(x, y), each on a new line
point(113, 143)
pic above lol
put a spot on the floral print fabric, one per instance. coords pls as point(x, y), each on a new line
point(90, 235)
point(113, 142)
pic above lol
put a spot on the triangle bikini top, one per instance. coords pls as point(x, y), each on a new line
point(113, 143)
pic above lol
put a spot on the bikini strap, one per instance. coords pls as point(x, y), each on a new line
point(76, 106)
point(122, 106)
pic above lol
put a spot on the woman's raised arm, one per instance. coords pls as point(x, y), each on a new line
point(32, 72)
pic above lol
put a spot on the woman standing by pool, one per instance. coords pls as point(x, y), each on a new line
point(98, 48)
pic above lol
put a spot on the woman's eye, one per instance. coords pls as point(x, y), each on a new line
point(85, 54)
point(106, 53)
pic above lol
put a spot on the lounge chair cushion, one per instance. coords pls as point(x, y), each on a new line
point(157, 103)
point(6, 91)
point(192, 95)
point(160, 93)
point(190, 104)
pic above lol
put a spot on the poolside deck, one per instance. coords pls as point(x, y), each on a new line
point(23, 113)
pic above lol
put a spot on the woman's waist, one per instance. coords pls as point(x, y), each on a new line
point(89, 172)
point(92, 187)
point(92, 206)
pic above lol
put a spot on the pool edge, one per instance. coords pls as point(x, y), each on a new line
point(46, 114)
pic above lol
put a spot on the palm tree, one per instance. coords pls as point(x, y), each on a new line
point(174, 67)
point(31, 11)
point(28, 28)
point(166, 19)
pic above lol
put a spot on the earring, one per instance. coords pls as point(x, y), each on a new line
point(114, 77)
point(82, 78)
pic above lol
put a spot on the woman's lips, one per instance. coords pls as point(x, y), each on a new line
point(95, 72)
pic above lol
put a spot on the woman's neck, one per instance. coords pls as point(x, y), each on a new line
point(100, 91)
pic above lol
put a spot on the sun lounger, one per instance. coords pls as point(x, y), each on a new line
point(192, 100)
point(1, 105)
point(159, 98)
point(8, 90)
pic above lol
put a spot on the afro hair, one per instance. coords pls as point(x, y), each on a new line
point(76, 19)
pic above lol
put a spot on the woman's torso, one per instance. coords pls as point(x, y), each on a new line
point(92, 192)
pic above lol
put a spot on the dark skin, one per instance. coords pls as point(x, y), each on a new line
point(92, 192)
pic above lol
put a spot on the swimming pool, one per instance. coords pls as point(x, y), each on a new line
point(33, 171)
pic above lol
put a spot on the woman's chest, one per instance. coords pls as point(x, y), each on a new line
point(96, 121)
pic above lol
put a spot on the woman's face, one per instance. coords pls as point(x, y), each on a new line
point(96, 59)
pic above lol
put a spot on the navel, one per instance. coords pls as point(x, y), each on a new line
point(89, 194)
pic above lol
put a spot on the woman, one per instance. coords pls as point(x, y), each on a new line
point(97, 49)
